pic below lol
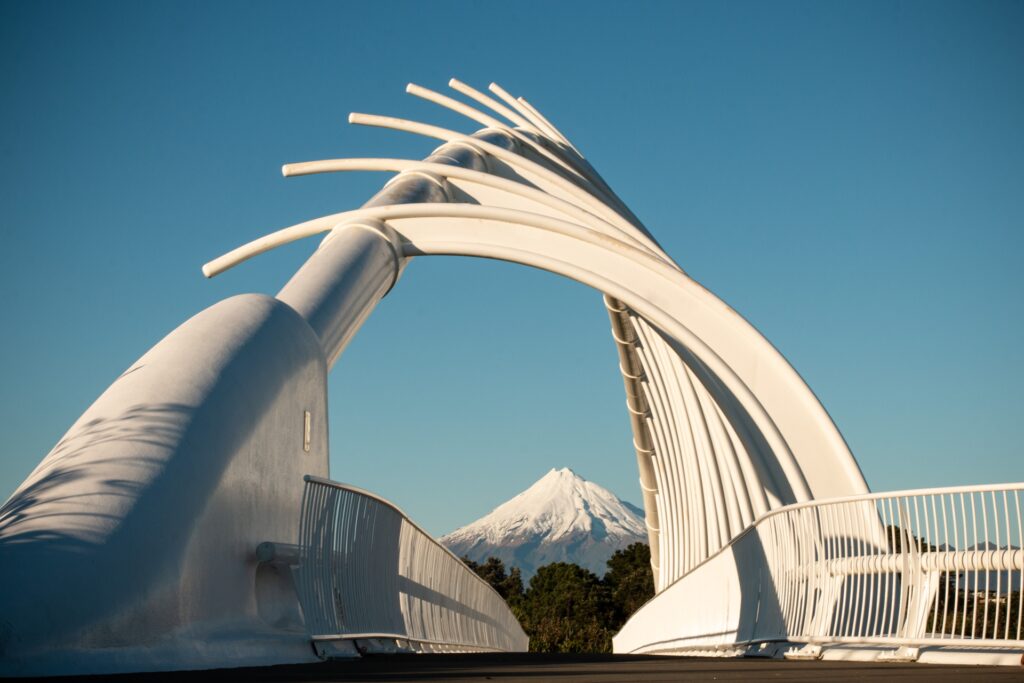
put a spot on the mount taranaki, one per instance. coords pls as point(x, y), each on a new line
point(561, 518)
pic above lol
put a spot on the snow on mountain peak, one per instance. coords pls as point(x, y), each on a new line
point(561, 516)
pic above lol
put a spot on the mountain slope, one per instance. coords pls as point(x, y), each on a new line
point(561, 518)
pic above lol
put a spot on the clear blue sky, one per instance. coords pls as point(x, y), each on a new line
point(848, 176)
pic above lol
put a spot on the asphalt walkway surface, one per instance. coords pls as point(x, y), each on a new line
point(512, 668)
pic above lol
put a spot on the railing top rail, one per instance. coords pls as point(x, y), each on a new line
point(361, 491)
point(907, 493)
point(309, 478)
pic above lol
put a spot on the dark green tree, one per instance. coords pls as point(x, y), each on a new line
point(509, 585)
point(566, 609)
point(630, 581)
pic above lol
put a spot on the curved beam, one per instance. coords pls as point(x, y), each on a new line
point(491, 122)
point(472, 176)
point(543, 119)
point(580, 163)
point(653, 289)
point(489, 102)
point(516, 161)
point(515, 104)
point(746, 364)
point(454, 105)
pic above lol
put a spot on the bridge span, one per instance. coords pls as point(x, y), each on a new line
point(187, 520)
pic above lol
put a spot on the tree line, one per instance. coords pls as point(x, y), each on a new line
point(566, 608)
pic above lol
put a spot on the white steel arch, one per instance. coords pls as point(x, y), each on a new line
point(739, 431)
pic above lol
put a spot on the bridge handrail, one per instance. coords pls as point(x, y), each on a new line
point(366, 568)
point(915, 568)
point(408, 520)
point(943, 490)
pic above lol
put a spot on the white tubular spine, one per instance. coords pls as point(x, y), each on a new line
point(491, 104)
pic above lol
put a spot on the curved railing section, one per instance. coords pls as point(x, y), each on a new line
point(369, 575)
point(906, 570)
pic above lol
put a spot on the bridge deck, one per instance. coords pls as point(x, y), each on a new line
point(513, 668)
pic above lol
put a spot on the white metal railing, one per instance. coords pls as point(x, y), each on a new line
point(368, 573)
point(909, 570)
point(913, 568)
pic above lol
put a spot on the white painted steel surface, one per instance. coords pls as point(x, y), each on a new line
point(367, 573)
point(130, 547)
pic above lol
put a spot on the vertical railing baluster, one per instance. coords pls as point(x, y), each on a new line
point(974, 597)
point(999, 574)
point(870, 628)
point(932, 527)
point(945, 575)
point(984, 517)
point(847, 554)
point(966, 542)
point(1020, 570)
point(1009, 574)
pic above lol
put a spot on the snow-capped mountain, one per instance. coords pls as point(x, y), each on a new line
point(561, 518)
